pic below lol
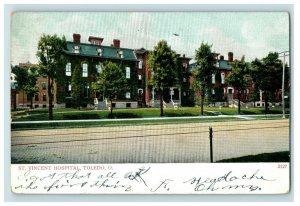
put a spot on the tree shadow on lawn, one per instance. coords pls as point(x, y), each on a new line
point(265, 157)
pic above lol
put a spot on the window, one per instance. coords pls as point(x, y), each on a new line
point(223, 78)
point(99, 52)
point(86, 91)
point(120, 54)
point(184, 94)
point(128, 105)
point(217, 64)
point(140, 64)
point(36, 97)
point(184, 79)
point(98, 68)
point(140, 77)
point(44, 85)
point(184, 65)
point(140, 91)
point(84, 70)
point(127, 72)
point(213, 91)
point(76, 49)
point(127, 95)
point(69, 87)
point(44, 97)
point(68, 69)
point(213, 78)
point(28, 97)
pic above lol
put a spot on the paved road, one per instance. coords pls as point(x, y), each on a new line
point(184, 142)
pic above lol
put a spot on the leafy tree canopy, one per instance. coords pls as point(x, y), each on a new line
point(163, 63)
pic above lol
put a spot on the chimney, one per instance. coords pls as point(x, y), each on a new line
point(76, 38)
point(183, 55)
point(116, 43)
point(230, 56)
point(221, 57)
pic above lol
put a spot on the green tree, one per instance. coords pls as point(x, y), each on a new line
point(26, 81)
point(51, 59)
point(77, 86)
point(206, 67)
point(239, 78)
point(31, 87)
point(21, 78)
point(163, 64)
point(267, 75)
point(111, 82)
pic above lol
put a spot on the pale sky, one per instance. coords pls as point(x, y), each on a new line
point(253, 34)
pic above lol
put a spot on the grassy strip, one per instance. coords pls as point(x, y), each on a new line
point(71, 114)
point(265, 157)
point(113, 123)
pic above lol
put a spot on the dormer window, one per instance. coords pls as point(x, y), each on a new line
point(76, 49)
point(120, 54)
point(99, 52)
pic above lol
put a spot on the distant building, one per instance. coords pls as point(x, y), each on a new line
point(222, 92)
point(40, 100)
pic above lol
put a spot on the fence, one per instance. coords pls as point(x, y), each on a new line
point(150, 142)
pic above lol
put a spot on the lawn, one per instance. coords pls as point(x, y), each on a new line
point(84, 124)
point(265, 157)
point(71, 114)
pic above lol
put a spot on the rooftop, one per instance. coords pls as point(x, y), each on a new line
point(107, 52)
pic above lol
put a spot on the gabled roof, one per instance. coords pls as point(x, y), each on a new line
point(108, 52)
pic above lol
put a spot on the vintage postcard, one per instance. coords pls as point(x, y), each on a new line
point(150, 102)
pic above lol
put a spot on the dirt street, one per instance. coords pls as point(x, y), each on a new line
point(184, 142)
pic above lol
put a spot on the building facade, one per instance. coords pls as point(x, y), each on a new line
point(135, 64)
point(222, 93)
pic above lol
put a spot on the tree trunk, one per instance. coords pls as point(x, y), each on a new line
point(239, 102)
point(266, 102)
point(202, 99)
point(23, 97)
point(161, 103)
point(111, 108)
point(15, 100)
point(31, 102)
point(50, 85)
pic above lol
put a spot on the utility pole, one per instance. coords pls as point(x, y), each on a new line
point(283, 76)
